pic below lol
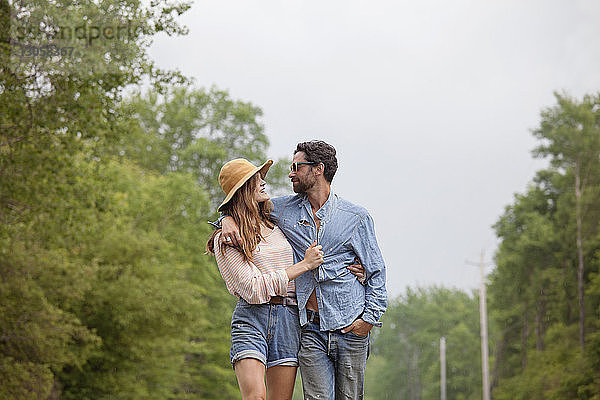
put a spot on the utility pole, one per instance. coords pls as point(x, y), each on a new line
point(483, 327)
point(442, 368)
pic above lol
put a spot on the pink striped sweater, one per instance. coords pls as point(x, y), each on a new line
point(262, 277)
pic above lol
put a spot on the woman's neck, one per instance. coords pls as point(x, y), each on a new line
point(265, 230)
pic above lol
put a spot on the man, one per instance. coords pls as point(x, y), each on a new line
point(337, 312)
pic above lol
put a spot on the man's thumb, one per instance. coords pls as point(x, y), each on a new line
point(313, 244)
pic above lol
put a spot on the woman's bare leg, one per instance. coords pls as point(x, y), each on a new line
point(280, 382)
point(250, 375)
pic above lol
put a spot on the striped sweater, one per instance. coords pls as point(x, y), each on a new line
point(262, 277)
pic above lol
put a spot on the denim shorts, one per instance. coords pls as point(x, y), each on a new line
point(269, 333)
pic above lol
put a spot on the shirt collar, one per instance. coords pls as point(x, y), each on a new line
point(326, 209)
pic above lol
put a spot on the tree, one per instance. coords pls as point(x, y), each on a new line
point(405, 358)
point(57, 115)
point(195, 131)
point(104, 290)
point(547, 260)
point(571, 135)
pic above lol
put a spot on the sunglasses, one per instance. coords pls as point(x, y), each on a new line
point(295, 165)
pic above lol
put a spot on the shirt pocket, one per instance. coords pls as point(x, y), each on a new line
point(300, 228)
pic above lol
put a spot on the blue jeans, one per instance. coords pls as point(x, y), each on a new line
point(332, 364)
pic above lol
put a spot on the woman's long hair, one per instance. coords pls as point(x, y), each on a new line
point(248, 214)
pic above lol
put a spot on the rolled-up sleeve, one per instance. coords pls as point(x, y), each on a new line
point(364, 243)
point(242, 278)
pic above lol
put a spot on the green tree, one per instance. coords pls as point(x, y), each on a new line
point(548, 235)
point(524, 286)
point(570, 132)
point(196, 131)
point(405, 358)
point(152, 293)
point(104, 288)
point(57, 116)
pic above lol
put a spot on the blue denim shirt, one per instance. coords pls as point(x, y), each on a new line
point(346, 231)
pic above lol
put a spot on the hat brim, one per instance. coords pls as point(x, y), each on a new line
point(263, 172)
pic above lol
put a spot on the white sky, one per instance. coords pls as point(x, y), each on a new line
point(428, 103)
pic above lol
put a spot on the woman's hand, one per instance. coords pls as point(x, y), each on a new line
point(230, 233)
point(313, 256)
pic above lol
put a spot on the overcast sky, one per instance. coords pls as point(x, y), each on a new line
point(430, 104)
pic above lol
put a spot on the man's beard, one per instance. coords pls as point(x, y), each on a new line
point(303, 186)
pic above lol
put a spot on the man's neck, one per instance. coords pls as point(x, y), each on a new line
point(318, 195)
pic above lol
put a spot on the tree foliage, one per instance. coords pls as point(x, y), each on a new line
point(104, 288)
point(544, 291)
point(405, 359)
point(193, 130)
point(544, 294)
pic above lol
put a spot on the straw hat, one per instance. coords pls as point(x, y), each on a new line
point(237, 172)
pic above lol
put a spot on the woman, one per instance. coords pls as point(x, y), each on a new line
point(265, 331)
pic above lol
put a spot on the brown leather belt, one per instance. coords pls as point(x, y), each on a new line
point(285, 301)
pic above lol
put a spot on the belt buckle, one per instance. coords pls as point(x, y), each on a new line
point(290, 301)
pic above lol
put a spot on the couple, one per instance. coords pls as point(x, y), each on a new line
point(289, 260)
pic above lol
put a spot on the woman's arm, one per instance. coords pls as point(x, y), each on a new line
point(231, 231)
point(313, 257)
point(242, 278)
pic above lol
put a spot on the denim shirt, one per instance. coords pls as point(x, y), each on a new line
point(346, 231)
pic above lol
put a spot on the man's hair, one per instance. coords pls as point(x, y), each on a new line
point(320, 152)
